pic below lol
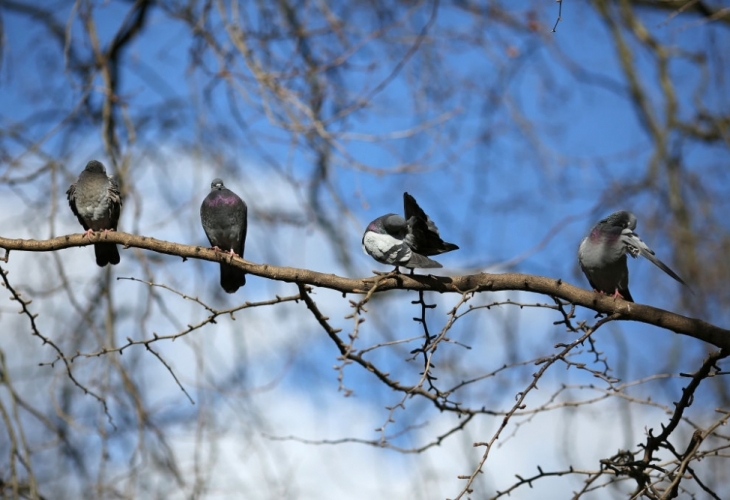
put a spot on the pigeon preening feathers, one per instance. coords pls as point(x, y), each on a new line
point(392, 239)
point(223, 215)
point(95, 200)
point(602, 255)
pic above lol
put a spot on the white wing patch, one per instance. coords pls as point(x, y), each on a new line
point(385, 248)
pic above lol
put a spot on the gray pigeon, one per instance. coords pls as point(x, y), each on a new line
point(95, 200)
point(602, 255)
point(392, 239)
point(223, 215)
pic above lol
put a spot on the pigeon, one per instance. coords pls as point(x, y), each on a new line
point(392, 239)
point(95, 200)
point(602, 255)
point(223, 215)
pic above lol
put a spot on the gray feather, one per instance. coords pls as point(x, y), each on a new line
point(96, 202)
point(602, 254)
point(392, 239)
point(223, 215)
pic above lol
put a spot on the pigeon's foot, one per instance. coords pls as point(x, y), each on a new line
point(617, 295)
point(88, 233)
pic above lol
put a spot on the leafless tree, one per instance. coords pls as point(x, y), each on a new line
point(517, 125)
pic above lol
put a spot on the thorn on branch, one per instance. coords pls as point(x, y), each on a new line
point(560, 16)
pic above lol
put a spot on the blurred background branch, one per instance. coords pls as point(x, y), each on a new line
point(515, 139)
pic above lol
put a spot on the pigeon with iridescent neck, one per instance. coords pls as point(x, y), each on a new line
point(96, 202)
point(398, 241)
point(602, 255)
point(224, 218)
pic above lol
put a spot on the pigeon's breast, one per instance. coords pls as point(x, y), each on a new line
point(224, 200)
point(93, 206)
point(599, 250)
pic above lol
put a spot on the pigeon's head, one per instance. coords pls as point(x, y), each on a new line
point(386, 224)
point(391, 224)
point(95, 167)
point(376, 226)
point(622, 219)
point(217, 184)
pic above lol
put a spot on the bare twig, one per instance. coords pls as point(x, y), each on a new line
point(34, 329)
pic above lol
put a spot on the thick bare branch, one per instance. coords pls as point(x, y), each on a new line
point(482, 282)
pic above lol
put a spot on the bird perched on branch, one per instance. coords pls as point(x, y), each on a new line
point(224, 218)
point(392, 239)
point(602, 255)
point(95, 200)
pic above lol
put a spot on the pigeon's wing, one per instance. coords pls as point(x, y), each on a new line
point(243, 218)
point(605, 273)
point(425, 241)
point(584, 268)
point(635, 246)
point(411, 209)
point(423, 235)
point(115, 202)
point(71, 196)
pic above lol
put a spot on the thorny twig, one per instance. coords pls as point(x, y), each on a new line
point(560, 15)
point(426, 339)
point(34, 327)
point(212, 317)
point(520, 398)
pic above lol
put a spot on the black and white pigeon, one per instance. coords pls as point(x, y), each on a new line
point(223, 215)
point(95, 200)
point(392, 239)
point(602, 255)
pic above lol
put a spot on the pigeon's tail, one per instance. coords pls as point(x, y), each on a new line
point(106, 253)
point(421, 262)
point(232, 278)
point(626, 295)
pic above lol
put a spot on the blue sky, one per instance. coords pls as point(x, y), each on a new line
point(540, 137)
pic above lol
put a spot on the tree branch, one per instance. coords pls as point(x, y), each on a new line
point(482, 282)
